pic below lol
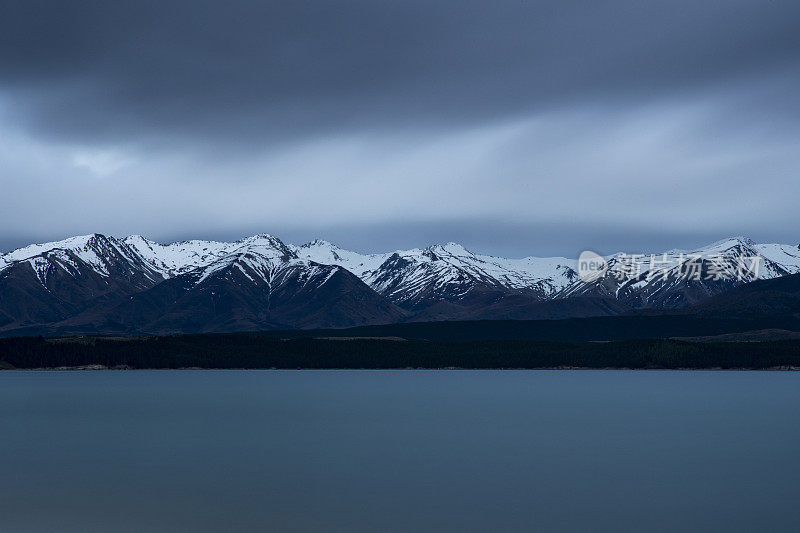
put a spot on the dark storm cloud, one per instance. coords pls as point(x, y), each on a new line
point(517, 128)
point(265, 70)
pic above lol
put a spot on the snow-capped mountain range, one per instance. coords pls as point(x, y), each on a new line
point(133, 284)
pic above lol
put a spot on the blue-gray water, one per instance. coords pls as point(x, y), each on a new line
point(399, 451)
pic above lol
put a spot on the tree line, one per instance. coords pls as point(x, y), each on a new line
point(255, 351)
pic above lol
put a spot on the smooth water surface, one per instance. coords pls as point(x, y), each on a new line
point(353, 451)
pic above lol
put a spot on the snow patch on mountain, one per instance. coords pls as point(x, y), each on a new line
point(85, 247)
point(178, 257)
point(783, 254)
point(325, 253)
point(184, 256)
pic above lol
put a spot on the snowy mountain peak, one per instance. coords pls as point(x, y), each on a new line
point(267, 244)
point(325, 253)
point(319, 243)
point(93, 249)
point(449, 248)
point(723, 245)
point(77, 243)
point(261, 237)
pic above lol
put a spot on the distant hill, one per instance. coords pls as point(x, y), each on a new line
point(778, 297)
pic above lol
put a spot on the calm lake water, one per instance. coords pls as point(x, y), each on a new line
point(399, 451)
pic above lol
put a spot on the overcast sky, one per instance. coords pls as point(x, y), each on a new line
point(516, 128)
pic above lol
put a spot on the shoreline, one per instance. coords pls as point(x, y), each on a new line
point(98, 368)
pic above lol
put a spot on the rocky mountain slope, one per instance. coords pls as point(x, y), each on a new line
point(680, 278)
point(134, 285)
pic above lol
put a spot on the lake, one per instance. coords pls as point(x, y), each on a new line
point(398, 451)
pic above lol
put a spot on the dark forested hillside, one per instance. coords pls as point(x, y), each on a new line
point(255, 351)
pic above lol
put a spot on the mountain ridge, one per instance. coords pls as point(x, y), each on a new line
point(95, 283)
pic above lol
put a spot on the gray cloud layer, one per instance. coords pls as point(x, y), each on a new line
point(515, 127)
